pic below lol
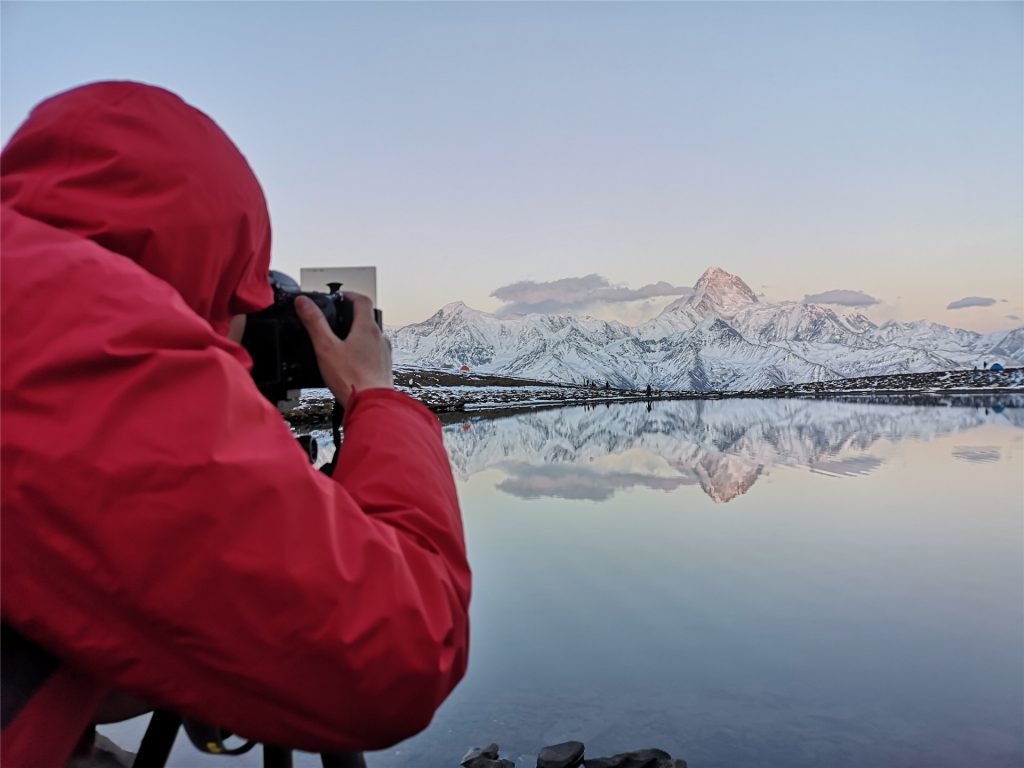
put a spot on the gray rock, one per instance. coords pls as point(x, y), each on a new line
point(490, 752)
point(568, 754)
point(486, 762)
point(641, 758)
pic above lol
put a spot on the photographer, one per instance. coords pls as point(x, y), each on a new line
point(163, 534)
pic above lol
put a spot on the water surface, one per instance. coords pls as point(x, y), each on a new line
point(741, 582)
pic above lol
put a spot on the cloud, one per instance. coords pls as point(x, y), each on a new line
point(842, 298)
point(971, 301)
point(571, 293)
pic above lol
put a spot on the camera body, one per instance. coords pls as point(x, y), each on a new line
point(281, 351)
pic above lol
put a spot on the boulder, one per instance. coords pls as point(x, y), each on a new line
point(641, 758)
point(568, 754)
point(489, 752)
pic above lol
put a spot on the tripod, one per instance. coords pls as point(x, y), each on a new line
point(163, 729)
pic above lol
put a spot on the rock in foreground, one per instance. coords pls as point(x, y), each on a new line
point(568, 754)
point(641, 758)
point(485, 757)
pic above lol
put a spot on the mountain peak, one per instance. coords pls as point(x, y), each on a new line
point(714, 272)
point(722, 293)
point(450, 310)
point(456, 308)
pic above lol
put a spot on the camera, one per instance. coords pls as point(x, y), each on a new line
point(281, 351)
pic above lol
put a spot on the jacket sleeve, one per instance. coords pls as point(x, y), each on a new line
point(185, 551)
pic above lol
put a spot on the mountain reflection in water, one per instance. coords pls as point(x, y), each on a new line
point(723, 446)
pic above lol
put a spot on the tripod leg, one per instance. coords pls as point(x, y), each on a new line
point(276, 757)
point(343, 760)
point(156, 744)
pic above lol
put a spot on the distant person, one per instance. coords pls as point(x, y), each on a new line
point(165, 540)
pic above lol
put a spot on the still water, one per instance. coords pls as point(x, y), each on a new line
point(741, 583)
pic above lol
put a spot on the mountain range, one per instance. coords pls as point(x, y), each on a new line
point(720, 337)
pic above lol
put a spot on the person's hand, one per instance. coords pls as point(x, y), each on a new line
point(362, 360)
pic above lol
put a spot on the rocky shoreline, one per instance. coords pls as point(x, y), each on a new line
point(454, 395)
point(570, 754)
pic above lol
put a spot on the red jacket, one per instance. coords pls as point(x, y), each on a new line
point(162, 531)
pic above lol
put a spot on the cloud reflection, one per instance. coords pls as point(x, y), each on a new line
point(580, 482)
point(977, 454)
point(853, 466)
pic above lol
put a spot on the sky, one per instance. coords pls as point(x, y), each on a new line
point(598, 157)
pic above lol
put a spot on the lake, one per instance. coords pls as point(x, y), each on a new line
point(739, 582)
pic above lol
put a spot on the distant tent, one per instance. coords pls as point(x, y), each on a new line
point(996, 367)
point(464, 369)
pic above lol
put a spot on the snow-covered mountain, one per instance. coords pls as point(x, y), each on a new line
point(719, 337)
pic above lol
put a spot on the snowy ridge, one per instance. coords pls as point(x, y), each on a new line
point(719, 338)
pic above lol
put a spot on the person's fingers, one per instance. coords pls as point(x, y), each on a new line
point(315, 323)
point(362, 309)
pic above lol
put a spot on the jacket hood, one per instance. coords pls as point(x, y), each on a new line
point(135, 169)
